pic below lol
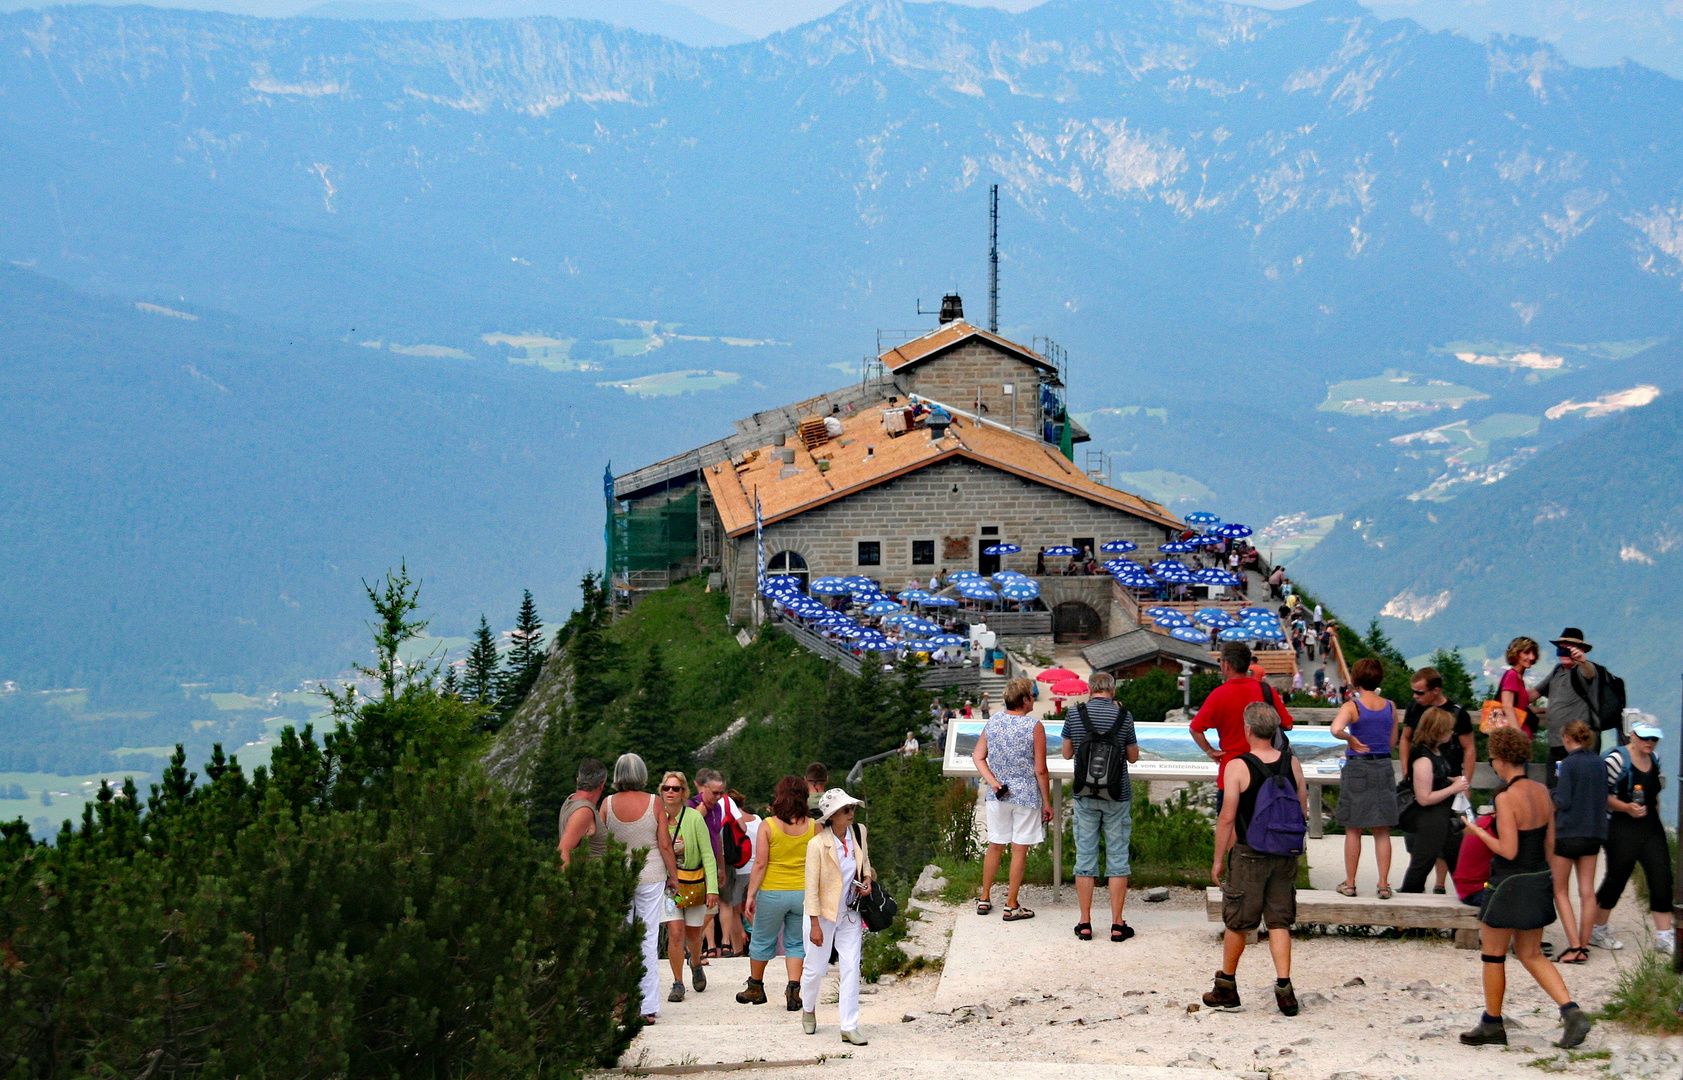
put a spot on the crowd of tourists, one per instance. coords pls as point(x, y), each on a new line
point(789, 882)
point(1514, 862)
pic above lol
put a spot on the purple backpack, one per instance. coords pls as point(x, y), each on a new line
point(1277, 826)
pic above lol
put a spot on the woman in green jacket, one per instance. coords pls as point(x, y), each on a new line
point(692, 846)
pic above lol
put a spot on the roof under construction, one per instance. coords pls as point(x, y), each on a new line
point(950, 336)
point(864, 455)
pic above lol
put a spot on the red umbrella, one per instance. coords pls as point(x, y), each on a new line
point(1057, 674)
point(1070, 687)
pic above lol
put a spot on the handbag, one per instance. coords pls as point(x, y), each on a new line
point(878, 907)
point(692, 883)
point(1491, 716)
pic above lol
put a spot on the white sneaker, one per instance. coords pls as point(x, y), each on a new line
point(1602, 938)
point(1665, 941)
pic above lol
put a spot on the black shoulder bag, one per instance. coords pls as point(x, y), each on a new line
point(877, 908)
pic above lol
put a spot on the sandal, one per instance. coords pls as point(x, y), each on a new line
point(1120, 931)
point(1384, 892)
point(1084, 931)
point(984, 907)
point(1577, 955)
point(1346, 889)
point(1014, 914)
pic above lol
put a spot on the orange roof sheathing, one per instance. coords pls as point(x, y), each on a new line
point(951, 336)
point(850, 471)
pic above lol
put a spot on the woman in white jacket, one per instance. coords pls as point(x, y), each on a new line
point(838, 872)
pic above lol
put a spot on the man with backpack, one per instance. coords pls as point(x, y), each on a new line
point(1224, 709)
point(1099, 736)
point(1263, 821)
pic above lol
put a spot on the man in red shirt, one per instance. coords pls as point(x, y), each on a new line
point(1224, 709)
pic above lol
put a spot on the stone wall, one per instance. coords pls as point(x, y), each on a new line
point(954, 377)
point(948, 503)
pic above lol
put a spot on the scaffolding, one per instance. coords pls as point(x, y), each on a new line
point(647, 543)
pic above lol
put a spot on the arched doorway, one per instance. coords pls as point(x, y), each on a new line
point(792, 563)
point(1074, 621)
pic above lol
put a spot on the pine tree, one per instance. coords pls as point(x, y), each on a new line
point(525, 658)
point(648, 728)
point(484, 678)
point(452, 685)
point(1457, 680)
point(594, 655)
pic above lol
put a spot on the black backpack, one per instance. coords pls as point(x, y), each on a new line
point(1099, 761)
point(1606, 699)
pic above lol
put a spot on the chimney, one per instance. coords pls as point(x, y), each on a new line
point(952, 308)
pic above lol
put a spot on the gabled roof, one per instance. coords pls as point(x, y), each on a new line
point(951, 336)
point(851, 471)
point(1138, 645)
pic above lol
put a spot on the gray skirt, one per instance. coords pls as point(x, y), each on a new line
point(1367, 794)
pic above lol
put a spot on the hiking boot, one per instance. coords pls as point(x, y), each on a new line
point(809, 1023)
point(792, 996)
point(853, 1038)
point(753, 994)
point(1578, 1025)
point(1602, 938)
point(1486, 1034)
point(698, 977)
point(1225, 995)
point(677, 993)
point(1286, 998)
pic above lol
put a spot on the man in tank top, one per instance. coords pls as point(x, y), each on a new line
point(578, 814)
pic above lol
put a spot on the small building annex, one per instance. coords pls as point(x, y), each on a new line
point(952, 448)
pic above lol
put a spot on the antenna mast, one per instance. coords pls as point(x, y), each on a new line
point(993, 259)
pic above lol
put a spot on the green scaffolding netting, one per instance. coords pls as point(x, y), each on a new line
point(653, 537)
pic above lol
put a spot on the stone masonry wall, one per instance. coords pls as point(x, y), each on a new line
point(954, 377)
point(923, 506)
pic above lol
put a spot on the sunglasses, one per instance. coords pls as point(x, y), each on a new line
point(670, 787)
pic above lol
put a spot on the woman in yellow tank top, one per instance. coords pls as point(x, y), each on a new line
point(777, 892)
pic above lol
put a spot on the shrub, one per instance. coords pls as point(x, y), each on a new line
point(901, 796)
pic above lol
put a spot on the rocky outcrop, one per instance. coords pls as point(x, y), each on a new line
point(514, 752)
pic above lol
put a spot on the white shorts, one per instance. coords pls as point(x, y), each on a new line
point(695, 915)
point(1013, 823)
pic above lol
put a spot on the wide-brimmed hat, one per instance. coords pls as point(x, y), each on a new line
point(833, 800)
point(1572, 636)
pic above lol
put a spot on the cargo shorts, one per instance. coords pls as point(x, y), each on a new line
point(1259, 889)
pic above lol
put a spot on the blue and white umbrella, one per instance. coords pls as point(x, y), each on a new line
point(1175, 547)
point(1019, 590)
point(947, 641)
point(1266, 633)
point(1205, 540)
point(773, 584)
point(940, 601)
point(897, 618)
point(1174, 575)
point(1116, 564)
point(1232, 530)
point(1214, 576)
point(1238, 633)
point(921, 627)
point(857, 582)
point(1215, 618)
point(1202, 518)
point(1187, 633)
point(869, 596)
point(1063, 550)
point(1010, 575)
point(1133, 577)
point(1169, 566)
point(975, 590)
point(963, 575)
point(1001, 549)
point(915, 596)
point(1117, 547)
point(1170, 620)
point(830, 586)
point(882, 607)
point(858, 632)
point(1162, 609)
point(1247, 612)
point(833, 620)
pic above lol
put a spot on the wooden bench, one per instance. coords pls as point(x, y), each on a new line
point(1412, 911)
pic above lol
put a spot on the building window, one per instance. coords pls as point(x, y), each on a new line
point(923, 553)
point(990, 530)
point(788, 562)
point(1084, 544)
point(870, 553)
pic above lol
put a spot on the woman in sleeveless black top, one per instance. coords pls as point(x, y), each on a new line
point(1520, 897)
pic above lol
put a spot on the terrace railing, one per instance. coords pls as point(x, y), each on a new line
point(935, 677)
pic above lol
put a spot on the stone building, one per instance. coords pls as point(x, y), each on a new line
point(850, 482)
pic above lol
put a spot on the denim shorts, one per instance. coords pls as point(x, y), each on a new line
point(1114, 818)
point(771, 908)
